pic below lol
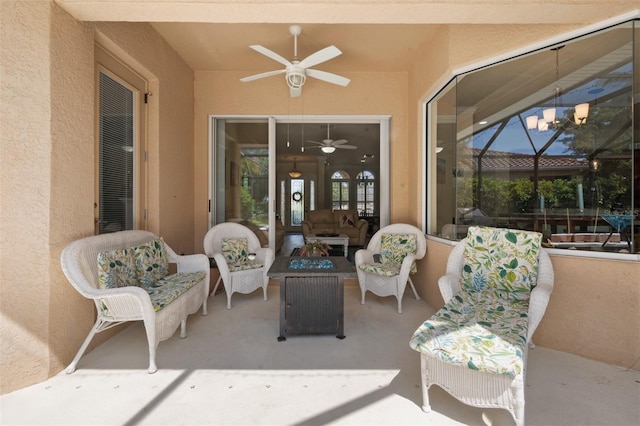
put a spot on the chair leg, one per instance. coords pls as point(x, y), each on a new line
point(363, 291)
point(183, 328)
point(150, 328)
point(415, 293)
point(399, 303)
point(264, 290)
point(426, 407)
point(95, 329)
point(215, 288)
point(228, 300)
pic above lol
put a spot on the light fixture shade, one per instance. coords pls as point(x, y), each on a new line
point(295, 79)
point(582, 111)
point(294, 173)
point(549, 115)
point(542, 125)
point(532, 122)
point(328, 149)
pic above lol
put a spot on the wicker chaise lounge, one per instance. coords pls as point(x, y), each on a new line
point(496, 289)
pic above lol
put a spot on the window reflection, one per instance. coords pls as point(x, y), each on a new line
point(569, 176)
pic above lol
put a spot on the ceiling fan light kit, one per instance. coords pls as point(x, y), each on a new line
point(296, 71)
point(329, 146)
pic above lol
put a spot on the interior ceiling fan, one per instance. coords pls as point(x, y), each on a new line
point(328, 145)
point(296, 71)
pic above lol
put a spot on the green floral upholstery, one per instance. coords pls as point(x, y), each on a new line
point(116, 268)
point(235, 250)
point(503, 262)
point(485, 326)
point(170, 287)
point(395, 247)
point(384, 269)
point(245, 266)
point(151, 261)
point(485, 337)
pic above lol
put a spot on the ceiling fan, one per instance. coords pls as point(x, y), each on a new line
point(328, 145)
point(296, 71)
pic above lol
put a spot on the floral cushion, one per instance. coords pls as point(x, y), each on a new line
point(384, 269)
point(488, 337)
point(116, 268)
point(170, 287)
point(235, 250)
point(151, 261)
point(395, 247)
point(245, 266)
point(503, 262)
point(346, 221)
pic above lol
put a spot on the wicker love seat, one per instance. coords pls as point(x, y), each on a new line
point(126, 275)
point(496, 290)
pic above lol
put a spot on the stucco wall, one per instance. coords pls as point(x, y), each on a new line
point(222, 93)
point(48, 172)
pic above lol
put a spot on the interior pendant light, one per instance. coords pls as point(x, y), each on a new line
point(294, 173)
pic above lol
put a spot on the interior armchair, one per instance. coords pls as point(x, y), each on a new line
point(242, 262)
point(345, 222)
point(384, 267)
point(496, 289)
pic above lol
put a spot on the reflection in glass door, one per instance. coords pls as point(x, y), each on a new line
point(241, 174)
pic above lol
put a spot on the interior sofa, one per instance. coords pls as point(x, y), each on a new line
point(263, 236)
point(336, 222)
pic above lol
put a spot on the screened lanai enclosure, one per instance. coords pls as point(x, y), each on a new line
point(546, 141)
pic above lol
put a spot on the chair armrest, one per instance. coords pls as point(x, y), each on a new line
point(361, 222)
point(364, 256)
point(125, 303)
point(449, 285)
point(541, 293)
point(266, 256)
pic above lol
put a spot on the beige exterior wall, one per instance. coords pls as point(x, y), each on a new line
point(47, 174)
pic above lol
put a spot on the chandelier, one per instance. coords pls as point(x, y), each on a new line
point(549, 120)
point(294, 173)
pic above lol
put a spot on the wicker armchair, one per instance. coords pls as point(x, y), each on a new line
point(384, 267)
point(475, 347)
point(233, 247)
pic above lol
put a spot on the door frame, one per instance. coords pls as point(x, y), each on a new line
point(384, 122)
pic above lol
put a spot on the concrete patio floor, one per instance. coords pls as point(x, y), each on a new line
point(231, 370)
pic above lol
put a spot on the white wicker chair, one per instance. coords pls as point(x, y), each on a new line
point(477, 388)
point(80, 266)
point(238, 281)
point(381, 284)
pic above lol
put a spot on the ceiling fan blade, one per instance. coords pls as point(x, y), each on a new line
point(294, 93)
point(316, 142)
point(340, 142)
point(328, 77)
point(320, 56)
point(262, 75)
point(271, 54)
point(346, 147)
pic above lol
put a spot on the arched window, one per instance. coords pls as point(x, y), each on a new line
point(340, 190)
point(365, 193)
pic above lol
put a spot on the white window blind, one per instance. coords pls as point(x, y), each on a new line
point(116, 162)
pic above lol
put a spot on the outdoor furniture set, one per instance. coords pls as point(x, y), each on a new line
point(496, 289)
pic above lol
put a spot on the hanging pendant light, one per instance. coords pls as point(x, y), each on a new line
point(294, 173)
point(549, 120)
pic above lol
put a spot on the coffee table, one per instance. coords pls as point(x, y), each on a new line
point(333, 240)
point(311, 298)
